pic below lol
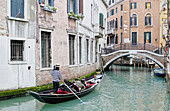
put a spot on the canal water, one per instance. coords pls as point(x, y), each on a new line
point(122, 89)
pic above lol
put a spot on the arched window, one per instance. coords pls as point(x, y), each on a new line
point(121, 21)
point(133, 20)
point(148, 20)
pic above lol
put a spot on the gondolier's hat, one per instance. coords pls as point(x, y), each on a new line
point(57, 65)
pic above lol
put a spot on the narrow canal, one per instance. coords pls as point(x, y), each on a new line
point(122, 89)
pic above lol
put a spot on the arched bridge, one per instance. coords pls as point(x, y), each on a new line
point(109, 55)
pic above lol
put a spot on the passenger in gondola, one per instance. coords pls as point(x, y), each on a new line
point(71, 85)
point(79, 84)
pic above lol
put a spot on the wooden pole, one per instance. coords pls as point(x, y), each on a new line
point(72, 92)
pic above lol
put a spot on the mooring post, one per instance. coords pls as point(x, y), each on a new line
point(134, 61)
point(141, 61)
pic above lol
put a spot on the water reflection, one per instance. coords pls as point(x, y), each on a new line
point(123, 89)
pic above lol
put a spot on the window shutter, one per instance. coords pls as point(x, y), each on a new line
point(75, 6)
point(150, 4)
point(121, 21)
point(130, 5)
point(146, 5)
point(150, 20)
point(100, 19)
point(68, 6)
point(135, 5)
point(144, 37)
point(13, 8)
point(135, 20)
point(145, 21)
point(52, 3)
point(149, 37)
point(130, 21)
point(81, 6)
point(40, 1)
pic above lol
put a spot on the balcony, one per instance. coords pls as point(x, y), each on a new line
point(48, 8)
point(99, 31)
point(110, 31)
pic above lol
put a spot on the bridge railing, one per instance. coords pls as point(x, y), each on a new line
point(139, 46)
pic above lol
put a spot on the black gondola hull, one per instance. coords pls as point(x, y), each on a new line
point(58, 98)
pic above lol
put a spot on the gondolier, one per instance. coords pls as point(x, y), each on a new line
point(57, 77)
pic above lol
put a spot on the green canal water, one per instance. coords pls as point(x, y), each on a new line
point(122, 89)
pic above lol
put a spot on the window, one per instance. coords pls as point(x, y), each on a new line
point(121, 21)
point(112, 24)
point(148, 21)
point(116, 39)
point(108, 40)
point(80, 50)
point(72, 6)
point(121, 7)
point(71, 50)
point(17, 49)
point(91, 52)
point(121, 38)
point(134, 38)
point(108, 26)
point(133, 20)
point(47, 2)
point(116, 24)
point(107, 14)
point(147, 37)
point(147, 5)
point(109, 2)
point(133, 5)
point(113, 1)
point(92, 14)
point(112, 12)
point(87, 50)
point(111, 39)
point(116, 10)
point(46, 49)
point(101, 19)
point(17, 8)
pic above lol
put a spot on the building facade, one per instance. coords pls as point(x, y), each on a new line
point(133, 22)
point(65, 35)
point(163, 22)
point(17, 44)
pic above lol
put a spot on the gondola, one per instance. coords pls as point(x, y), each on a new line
point(47, 97)
point(160, 72)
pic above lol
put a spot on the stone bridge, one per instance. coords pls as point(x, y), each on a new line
point(109, 55)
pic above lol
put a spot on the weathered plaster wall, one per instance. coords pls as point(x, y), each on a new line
point(15, 74)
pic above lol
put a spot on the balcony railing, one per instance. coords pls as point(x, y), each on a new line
point(139, 46)
point(110, 31)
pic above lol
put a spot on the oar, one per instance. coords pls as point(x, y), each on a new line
point(72, 92)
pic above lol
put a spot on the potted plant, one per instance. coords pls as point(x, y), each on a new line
point(54, 9)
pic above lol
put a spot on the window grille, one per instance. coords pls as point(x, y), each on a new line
point(17, 48)
point(46, 49)
point(71, 50)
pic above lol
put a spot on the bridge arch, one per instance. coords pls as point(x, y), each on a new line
point(110, 58)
